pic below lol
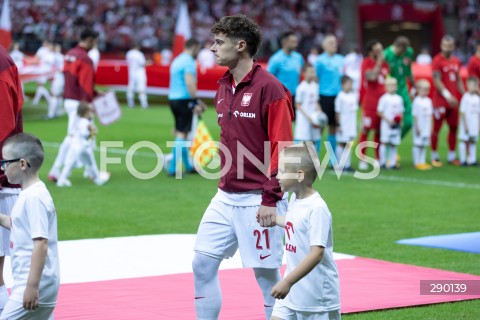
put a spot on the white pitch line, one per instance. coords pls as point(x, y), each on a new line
point(451, 184)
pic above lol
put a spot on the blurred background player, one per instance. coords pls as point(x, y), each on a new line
point(81, 149)
point(399, 57)
point(374, 73)
point(310, 288)
point(306, 103)
point(422, 112)
point(446, 96)
point(329, 70)
point(313, 56)
point(137, 77)
point(11, 102)
point(58, 84)
point(474, 63)
point(353, 67)
point(286, 64)
point(424, 57)
point(390, 110)
point(469, 123)
point(183, 101)
point(346, 106)
point(17, 55)
point(79, 87)
point(46, 60)
point(206, 58)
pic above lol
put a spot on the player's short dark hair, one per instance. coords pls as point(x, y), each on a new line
point(345, 79)
point(448, 38)
point(402, 41)
point(88, 34)
point(192, 42)
point(83, 108)
point(286, 35)
point(26, 146)
point(240, 27)
point(369, 46)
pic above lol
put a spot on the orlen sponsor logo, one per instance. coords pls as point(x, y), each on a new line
point(251, 115)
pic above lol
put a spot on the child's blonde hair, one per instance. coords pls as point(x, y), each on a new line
point(391, 80)
point(422, 83)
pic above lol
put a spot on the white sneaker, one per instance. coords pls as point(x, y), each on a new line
point(64, 183)
point(362, 165)
point(102, 178)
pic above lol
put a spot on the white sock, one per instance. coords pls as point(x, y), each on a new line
point(472, 153)
point(393, 156)
point(416, 155)
point(208, 295)
point(451, 155)
point(434, 155)
point(462, 152)
point(422, 158)
point(130, 98)
point(143, 99)
point(62, 154)
point(266, 279)
point(383, 154)
point(52, 107)
point(3, 296)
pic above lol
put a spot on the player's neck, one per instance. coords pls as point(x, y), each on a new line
point(304, 191)
point(241, 69)
point(287, 51)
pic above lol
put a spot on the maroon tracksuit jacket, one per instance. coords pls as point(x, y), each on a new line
point(79, 75)
point(260, 110)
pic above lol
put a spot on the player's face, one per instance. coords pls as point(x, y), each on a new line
point(225, 50)
point(447, 47)
point(347, 86)
point(423, 91)
point(310, 74)
point(330, 45)
point(472, 86)
point(291, 43)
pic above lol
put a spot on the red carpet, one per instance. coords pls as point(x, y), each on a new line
point(366, 284)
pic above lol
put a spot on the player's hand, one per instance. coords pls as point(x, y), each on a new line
point(30, 298)
point(453, 101)
point(267, 216)
point(281, 289)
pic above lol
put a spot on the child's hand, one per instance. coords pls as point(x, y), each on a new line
point(30, 298)
point(281, 289)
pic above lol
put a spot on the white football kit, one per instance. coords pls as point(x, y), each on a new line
point(307, 96)
point(391, 105)
point(422, 112)
point(229, 223)
point(470, 107)
point(33, 216)
point(137, 77)
point(308, 222)
point(346, 105)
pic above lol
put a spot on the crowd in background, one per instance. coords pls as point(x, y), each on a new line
point(120, 22)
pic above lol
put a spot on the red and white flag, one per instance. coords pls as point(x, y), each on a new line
point(183, 31)
point(5, 26)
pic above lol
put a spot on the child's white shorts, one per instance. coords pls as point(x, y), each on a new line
point(282, 312)
point(225, 227)
point(419, 141)
point(14, 310)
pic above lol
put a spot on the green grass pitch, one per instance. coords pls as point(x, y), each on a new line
point(369, 216)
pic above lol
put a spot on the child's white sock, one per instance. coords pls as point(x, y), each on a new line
point(451, 155)
point(416, 155)
point(462, 152)
point(434, 155)
point(422, 158)
point(472, 153)
point(393, 156)
point(383, 154)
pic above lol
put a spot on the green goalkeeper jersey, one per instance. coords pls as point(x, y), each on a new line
point(400, 66)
